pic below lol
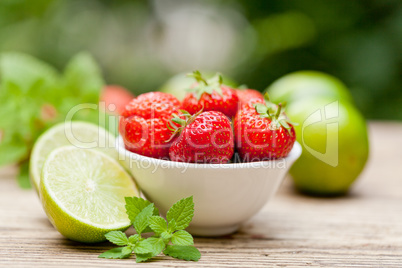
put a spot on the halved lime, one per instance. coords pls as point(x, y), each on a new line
point(79, 134)
point(82, 192)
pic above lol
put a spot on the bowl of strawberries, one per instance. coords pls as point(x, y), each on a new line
point(230, 149)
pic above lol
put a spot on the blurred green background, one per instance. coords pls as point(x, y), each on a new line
point(140, 44)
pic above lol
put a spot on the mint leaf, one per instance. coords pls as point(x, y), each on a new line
point(83, 77)
point(115, 253)
point(25, 70)
point(166, 236)
point(172, 226)
point(126, 252)
point(12, 149)
point(142, 219)
point(182, 238)
point(143, 257)
point(154, 245)
point(134, 205)
point(157, 224)
point(143, 247)
point(157, 244)
point(182, 212)
point(23, 176)
point(117, 237)
point(188, 253)
point(134, 239)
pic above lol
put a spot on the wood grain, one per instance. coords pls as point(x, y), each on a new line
point(362, 229)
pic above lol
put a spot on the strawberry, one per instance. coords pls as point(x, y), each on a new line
point(263, 132)
point(144, 124)
point(117, 96)
point(210, 95)
point(152, 105)
point(148, 137)
point(249, 96)
point(205, 137)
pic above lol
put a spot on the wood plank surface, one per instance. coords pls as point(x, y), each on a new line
point(362, 229)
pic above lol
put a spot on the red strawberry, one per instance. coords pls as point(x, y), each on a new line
point(249, 96)
point(263, 132)
point(152, 105)
point(210, 95)
point(205, 137)
point(148, 137)
point(143, 124)
point(116, 95)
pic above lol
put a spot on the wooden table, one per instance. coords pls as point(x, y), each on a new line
point(361, 229)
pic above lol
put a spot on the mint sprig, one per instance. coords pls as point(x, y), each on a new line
point(169, 235)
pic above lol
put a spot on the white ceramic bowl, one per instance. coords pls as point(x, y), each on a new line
point(225, 195)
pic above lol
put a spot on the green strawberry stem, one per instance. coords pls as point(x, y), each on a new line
point(278, 118)
point(266, 97)
point(198, 76)
point(206, 86)
point(182, 122)
point(278, 112)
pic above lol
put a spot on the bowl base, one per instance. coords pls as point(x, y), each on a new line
point(212, 231)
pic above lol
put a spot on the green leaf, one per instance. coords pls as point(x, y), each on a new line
point(126, 251)
point(157, 224)
point(12, 151)
point(260, 108)
point(153, 245)
point(134, 205)
point(143, 257)
point(178, 121)
point(208, 89)
point(25, 70)
point(182, 238)
point(117, 237)
point(82, 77)
point(185, 112)
point(142, 219)
point(284, 124)
point(182, 212)
point(134, 239)
point(206, 86)
point(188, 253)
point(23, 176)
point(172, 226)
point(143, 247)
point(166, 236)
point(116, 253)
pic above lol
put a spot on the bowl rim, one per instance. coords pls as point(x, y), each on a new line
point(293, 155)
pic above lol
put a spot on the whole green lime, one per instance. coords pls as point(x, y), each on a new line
point(178, 84)
point(301, 84)
point(334, 138)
